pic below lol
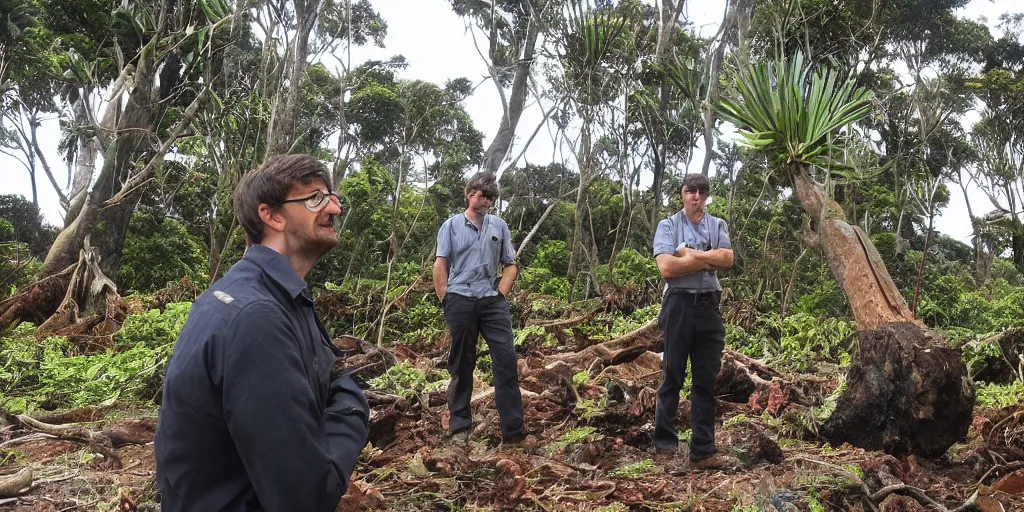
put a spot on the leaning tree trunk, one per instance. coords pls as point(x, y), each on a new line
point(134, 122)
point(502, 141)
point(907, 391)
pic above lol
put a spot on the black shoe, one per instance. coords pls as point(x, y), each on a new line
point(460, 438)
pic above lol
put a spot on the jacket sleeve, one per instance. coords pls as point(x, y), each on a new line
point(283, 439)
point(347, 424)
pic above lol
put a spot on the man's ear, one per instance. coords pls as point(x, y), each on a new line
point(272, 218)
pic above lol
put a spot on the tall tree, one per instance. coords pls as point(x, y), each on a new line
point(513, 28)
point(793, 114)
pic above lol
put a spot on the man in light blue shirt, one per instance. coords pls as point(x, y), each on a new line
point(474, 271)
point(689, 247)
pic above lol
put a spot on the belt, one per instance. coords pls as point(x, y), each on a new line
point(696, 295)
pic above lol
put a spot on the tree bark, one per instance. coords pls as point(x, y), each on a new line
point(282, 130)
point(852, 258)
point(666, 30)
point(907, 391)
point(131, 127)
point(502, 141)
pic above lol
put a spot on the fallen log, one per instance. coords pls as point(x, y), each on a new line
point(741, 376)
point(80, 415)
point(36, 302)
point(998, 359)
point(97, 442)
point(621, 349)
point(16, 484)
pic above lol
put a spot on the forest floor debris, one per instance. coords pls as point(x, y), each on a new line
point(590, 448)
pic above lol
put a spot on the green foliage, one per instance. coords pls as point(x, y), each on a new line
point(154, 328)
point(588, 408)
point(1005, 269)
point(159, 250)
point(624, 324)
point(533, 335)
point(999, 396)
point(574, 436)
point(826, 301)
point(407, 381)
point(423, 321)
point(42, 374)
point(17, 266)
point(805, 339)
point(753, 345)
point(552, 255)
point(631, 269)
point(24, 223)
point(636, 470)
point(541, 280)
point(792, 112)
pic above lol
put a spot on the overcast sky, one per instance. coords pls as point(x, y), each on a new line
point(438, 47)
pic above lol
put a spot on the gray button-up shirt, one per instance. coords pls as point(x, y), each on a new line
point(710, 233)
point(475, 255)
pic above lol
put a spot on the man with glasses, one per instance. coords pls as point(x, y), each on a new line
point(473, 272)
point(250, 417)
point(688, 247)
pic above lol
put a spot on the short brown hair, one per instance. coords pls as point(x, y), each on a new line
point(697, 182)
point(485, 182)
point(270, 184)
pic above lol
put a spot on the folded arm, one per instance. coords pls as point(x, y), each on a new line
point(715, 258)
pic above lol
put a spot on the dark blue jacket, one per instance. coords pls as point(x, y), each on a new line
point(250, 420)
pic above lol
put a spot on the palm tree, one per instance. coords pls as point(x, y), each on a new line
point(907, 391)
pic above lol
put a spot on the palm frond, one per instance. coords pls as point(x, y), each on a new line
point(787, 108)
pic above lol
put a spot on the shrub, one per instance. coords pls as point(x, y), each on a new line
point(41, 375)
point(154, 328)
point(552, 255)
point(159, 250)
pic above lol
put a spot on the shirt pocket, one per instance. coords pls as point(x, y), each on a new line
point(493, 252)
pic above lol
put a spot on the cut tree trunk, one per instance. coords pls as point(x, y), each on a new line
point(903, 394)
point(907, 391)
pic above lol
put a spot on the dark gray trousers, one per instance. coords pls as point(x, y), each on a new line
point(693, 330)
point(467, 318)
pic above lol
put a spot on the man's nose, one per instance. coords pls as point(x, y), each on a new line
point(333, 205)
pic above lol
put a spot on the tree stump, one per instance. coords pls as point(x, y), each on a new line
point(907, 392)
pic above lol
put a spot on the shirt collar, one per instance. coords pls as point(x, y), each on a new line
point(469, 222)
point(278, 268)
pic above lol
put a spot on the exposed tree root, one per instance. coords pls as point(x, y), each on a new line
point(97, 442)
point(36, 302)
point(80, 415)
point(623, 348)
point(92, 310)
point(16, 484)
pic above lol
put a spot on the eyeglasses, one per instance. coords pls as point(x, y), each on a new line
point(701, 191)
point(316, 202)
